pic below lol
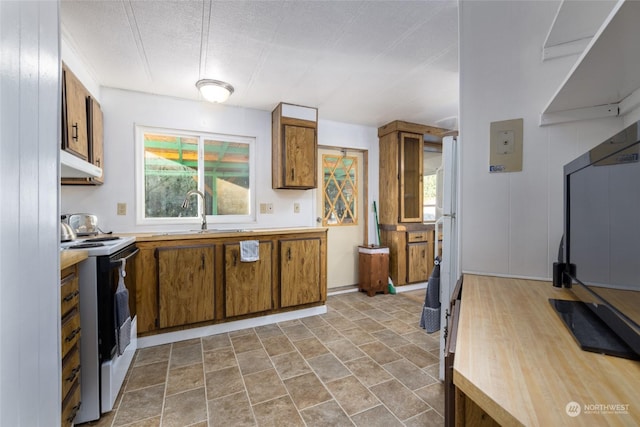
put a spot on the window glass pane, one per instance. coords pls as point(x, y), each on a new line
point(429, 197)
point(340, 190)
point(226, 177)
point(170, 171)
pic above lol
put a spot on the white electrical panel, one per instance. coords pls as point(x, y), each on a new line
point(505, 151)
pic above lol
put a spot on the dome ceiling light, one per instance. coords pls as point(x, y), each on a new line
point(214, 90)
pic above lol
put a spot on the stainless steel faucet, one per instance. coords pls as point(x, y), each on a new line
point(185, 205)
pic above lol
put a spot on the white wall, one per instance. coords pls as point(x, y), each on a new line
point(29, 224)
point(124, 109)
point(511, 223)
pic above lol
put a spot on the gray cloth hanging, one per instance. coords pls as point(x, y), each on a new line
point(122, 314)
point(430, 319)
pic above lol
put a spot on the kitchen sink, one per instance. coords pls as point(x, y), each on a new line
point(208, 231)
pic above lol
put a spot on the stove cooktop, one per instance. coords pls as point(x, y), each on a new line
point(96, 246)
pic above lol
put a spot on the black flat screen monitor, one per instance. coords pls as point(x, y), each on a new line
point(602, 245)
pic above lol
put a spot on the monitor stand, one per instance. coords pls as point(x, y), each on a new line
point(589, 331)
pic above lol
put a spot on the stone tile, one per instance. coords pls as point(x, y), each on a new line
point(433, 394)
point(344, 349)
point(276, 345)
point(149, 422)
point(368, 371)
point(341, 323)
point(232, 410)
point(378, 315)
point(399, 327)
point(267, 331)
point(147, 375)
point(327, 333)
point(409, 318)
point(297, 332)
point(376, 417)
point(399, 399)
point(370, 325)
point(184, 378)
point(139, 405)
point(390, 338)
point(290, 365)
point(310, 347)
point(241, 332)
point(213, 342)
point(313, 322)
point(352, 395)
point(307, 390)
point(186, 354)
point(278, 412)
point(327, 367)
point(185, 408)
point(421, 339)
point(288, 323)
point(426, 419)
point(324, 415)
point(264, 385)
point(253, 361)
point(417, 356)
point(433, 370)
point(187, 343)
point(223, 357)
point(223, 382)
point(380, 352)
point(246, 342)
point(354, 315)
point(154, 354)
point(409, 374)
point(358, 336)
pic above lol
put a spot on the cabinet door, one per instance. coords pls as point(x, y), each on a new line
point(417, 262)
point(247, 285)
point(185, 284)
point(299, 272)
point(96, 140)
point(300, 157)
point(75, 138)
point(411, 168)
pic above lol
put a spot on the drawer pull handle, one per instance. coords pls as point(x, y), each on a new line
point(74, 134)
point(289, 254)
point(73, 334)
point(74, 411)
point(71, 296)
point(73, 374)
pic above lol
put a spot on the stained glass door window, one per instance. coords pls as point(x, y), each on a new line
point(340, 190)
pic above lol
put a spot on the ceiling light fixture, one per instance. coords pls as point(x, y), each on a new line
point(214, 90)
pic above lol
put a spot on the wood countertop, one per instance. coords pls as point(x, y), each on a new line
point(156, 236)
point(68, 258)
point(518, 362)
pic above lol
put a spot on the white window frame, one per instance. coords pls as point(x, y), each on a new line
point(140, 130)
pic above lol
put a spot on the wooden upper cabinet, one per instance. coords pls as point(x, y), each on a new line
point(74, 115)
point(411, 169)
point(300, 266)
point(185, 284)
point(294, 147)
point(248, 286)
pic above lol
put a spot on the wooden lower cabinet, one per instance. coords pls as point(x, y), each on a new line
point(410, 253)
point(70, 343)
point(300, 278)
point(247, 285)
point(417, 262)
point(185, 284)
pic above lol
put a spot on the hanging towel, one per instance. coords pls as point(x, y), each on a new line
point(249, 250)
point(122, 314)
point(430, 319)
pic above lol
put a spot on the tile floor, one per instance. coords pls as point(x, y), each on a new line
point(365, 363)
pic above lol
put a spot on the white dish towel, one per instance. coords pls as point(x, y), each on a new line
point(249, 250)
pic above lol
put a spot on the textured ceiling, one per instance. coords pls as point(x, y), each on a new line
point(364, 62)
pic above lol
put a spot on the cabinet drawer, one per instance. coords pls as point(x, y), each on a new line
point(69, 294)
point(417, 236)
point(70, 370)
point(70, 330)
point(71, 405)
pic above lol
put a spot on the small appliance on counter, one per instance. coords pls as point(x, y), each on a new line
point(83, 224)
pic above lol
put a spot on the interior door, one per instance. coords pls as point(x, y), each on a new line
point(449, 267)
point(340, 207)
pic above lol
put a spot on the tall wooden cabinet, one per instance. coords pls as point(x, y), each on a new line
point(410, 241)
point(294, 147)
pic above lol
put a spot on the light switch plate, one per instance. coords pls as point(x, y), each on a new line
point(505, 146)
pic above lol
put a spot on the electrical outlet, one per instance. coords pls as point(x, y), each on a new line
point(122, 209)
point(263, 208)
point(269, 208)
point(296, 207)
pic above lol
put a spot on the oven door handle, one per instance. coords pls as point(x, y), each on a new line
point(117, 262)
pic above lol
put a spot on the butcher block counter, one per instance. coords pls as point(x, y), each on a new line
point(188, 279)
point(516, 363)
